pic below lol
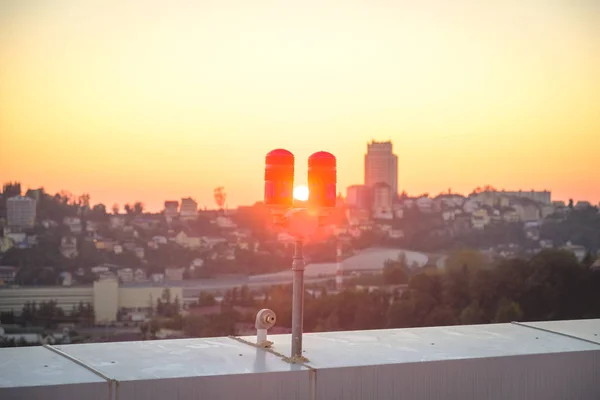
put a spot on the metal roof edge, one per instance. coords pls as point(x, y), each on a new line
point(526, 325)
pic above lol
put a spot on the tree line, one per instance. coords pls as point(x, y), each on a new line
point(551, 285)
point(48, 314)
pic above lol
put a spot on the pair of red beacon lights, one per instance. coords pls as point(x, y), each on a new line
point(279, 180)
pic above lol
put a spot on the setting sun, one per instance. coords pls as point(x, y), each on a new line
point(301, 193)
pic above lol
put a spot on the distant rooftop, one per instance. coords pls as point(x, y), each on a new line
point(371, 259)
point(542, 360)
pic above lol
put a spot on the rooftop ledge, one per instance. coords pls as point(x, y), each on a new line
point(541, 360)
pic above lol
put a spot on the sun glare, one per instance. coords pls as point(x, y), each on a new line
point(301, 193)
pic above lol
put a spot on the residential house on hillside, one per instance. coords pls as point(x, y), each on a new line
point(449, 200)
point(480, 218)
point(449, 214)
point(145, 223)
point(6, 244)
point(74, 224)
point(49, 223)
point(383, 214)
point(496, 216)
point(470, 205)
point(17, 238)
point(8, 275)
point(67, 278)
point(130, 232)
point(98, 269)
point(189, 240)
point(583, 205)
point(510, 215)
point(68, 246)
point(91, 226)
point(424, 203)
point(116, 222)
point(174, 273)
point(125, 274)
point(395, 233)
point(105, 244)
point(212, 241)
point(408, 202)
point(139, 275)
point(160, 239)
point(228, 254)
point(225, 222)
point(528, 210)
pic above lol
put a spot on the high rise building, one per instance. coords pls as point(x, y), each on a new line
point(381, 166)
point(20, 211)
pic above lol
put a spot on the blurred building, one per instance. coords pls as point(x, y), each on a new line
point(21, 212)
point(382, 198)
point(544, 196)
point(68, 246)
point(189, 208)
point(8, 275)
point(171, 209)
point(358, 196)
point(381, 165)
point(107, 297)
point(35, 194)
point(504, 198)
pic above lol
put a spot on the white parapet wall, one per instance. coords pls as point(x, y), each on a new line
point(543, 360)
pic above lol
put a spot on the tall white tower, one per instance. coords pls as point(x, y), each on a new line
point(381, 165)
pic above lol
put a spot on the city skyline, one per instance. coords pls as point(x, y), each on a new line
point(168, 101)
point(171, 206)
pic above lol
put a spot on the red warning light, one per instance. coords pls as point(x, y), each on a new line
point(279, 178)
point(322, 180)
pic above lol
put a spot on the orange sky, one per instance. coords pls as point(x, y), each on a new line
point(158, 100)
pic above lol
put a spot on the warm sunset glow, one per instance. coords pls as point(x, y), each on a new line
point(153, 101)
point(301, 193)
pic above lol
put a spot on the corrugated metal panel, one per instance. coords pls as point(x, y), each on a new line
point(554, 360)
point(586, 329)
point(216, 368)
point(559, 376)
point(38, 373)
point(397, 346)
point(499, 361)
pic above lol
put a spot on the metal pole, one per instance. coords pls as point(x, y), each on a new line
point(339, 273)
point(297, 299)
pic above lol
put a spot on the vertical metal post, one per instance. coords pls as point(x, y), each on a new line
point(297, 299)
point(339, 272)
